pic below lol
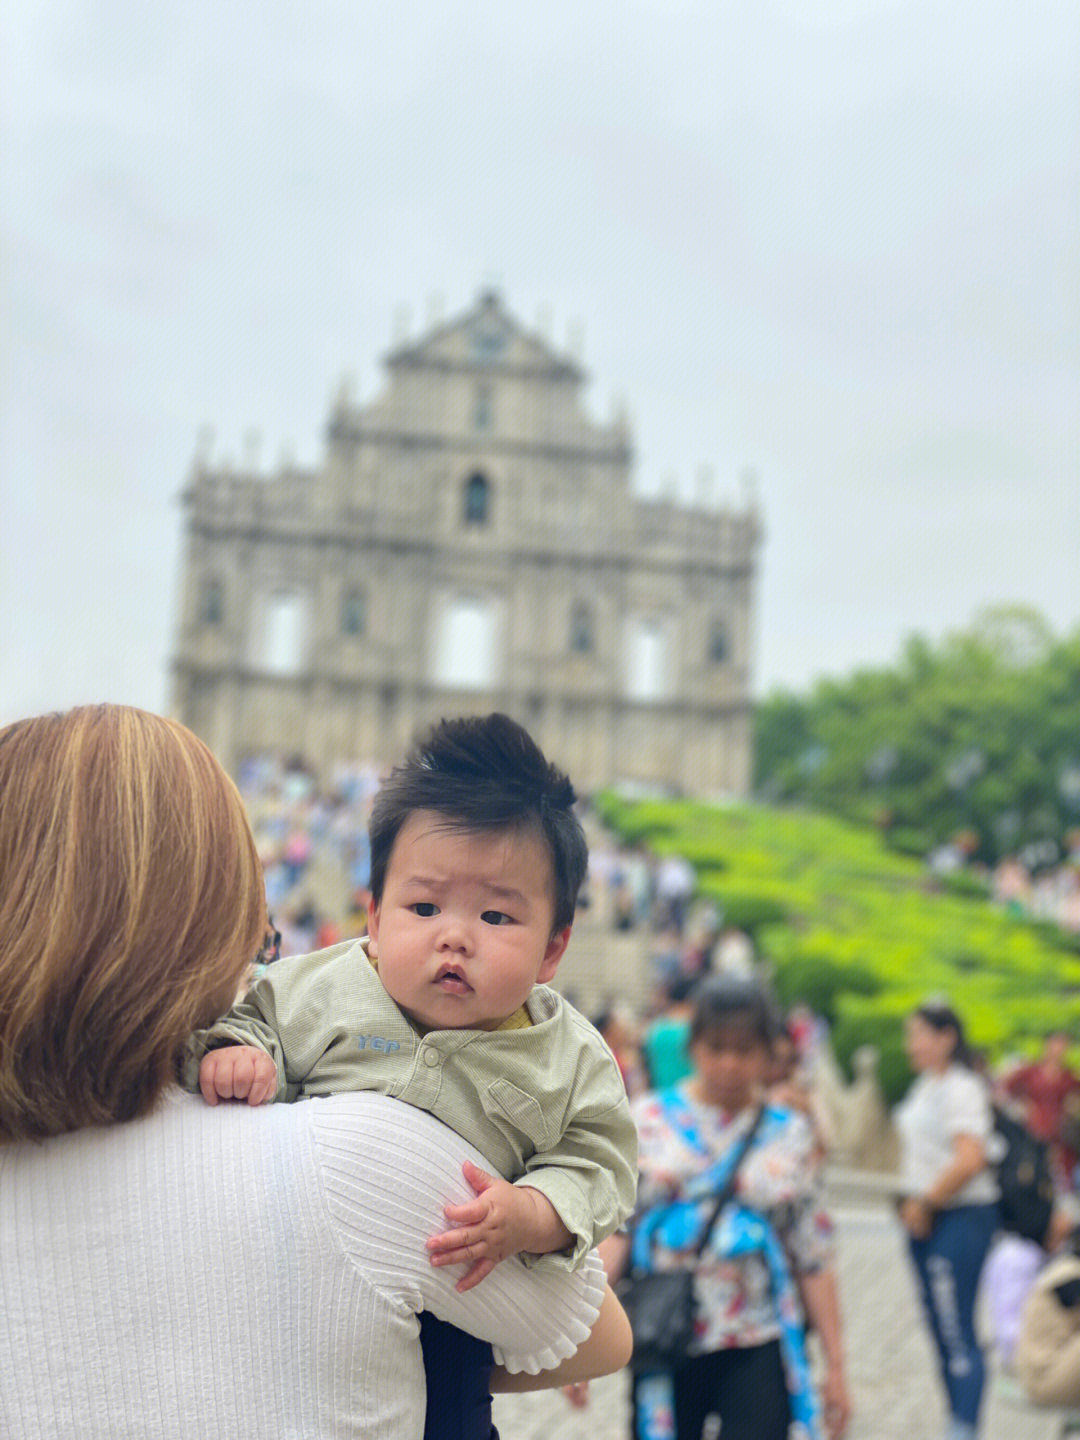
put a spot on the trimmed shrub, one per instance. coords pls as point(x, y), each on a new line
point(864, 935)
point(858, 1026)
point(819, 981)
point(907, 841)
point(965, 884)
point(743, 910)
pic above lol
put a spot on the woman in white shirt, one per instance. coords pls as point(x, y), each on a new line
point(191, 1270)
point(950, 1198)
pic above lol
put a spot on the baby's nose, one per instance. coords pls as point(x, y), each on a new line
point(456, 934)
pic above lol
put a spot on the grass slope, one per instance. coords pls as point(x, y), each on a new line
point(860, 933)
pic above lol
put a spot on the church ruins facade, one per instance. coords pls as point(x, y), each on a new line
point(471, 541)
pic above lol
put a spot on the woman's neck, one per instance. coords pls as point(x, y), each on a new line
point(941, 1067)
point(696, 1091)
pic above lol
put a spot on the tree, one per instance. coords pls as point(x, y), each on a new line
point(976, 738)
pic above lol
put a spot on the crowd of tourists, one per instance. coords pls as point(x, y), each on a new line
point(949, 1201)
point(1049, 893)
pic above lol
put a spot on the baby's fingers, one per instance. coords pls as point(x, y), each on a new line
point(452, 1247)
point(244, 1075)
point(471, 1213)
point(479, 1179)
point(206, 1079)
point(262, 1087)
point(237, 1072)
point(474, 1275)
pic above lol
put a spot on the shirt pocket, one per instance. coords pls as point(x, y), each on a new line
point(520, 1109)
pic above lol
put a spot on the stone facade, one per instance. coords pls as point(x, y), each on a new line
point(471, 541)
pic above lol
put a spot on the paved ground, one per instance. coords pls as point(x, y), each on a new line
point(890, 1363)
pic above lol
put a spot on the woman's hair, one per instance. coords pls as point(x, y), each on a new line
point(725, 1002)
point(131, 901)
point(942, 1017)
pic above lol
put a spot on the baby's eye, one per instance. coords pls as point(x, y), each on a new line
point(425, 909)
point(496, 917)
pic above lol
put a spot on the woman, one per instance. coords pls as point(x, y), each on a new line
point(949, 1208)
point(771, 1244)
point(170, 1269)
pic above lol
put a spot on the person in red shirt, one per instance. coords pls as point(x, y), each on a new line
point(1050, 1092)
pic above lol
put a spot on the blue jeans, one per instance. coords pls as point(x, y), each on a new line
point(949, 1262)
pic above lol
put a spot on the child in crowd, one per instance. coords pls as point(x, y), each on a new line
point(476, 862)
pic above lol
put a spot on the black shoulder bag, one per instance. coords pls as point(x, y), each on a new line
point(660, 1303)
point(1025, 1180)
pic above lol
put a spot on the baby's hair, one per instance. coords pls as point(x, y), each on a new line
point(483, 774)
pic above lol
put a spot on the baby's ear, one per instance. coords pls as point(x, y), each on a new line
point(556, 948)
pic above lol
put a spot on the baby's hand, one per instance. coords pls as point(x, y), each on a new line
point(503, 1220)
point(237, 1072)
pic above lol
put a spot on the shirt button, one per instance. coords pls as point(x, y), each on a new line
point(431, 1057)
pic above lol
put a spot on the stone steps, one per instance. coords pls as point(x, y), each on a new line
point(602, 967)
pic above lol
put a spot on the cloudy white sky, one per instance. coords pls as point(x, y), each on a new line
point(832, 240)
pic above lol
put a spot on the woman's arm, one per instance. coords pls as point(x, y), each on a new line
point(968, 1158)
point(614, 1255)
point(387, 1172)
point(607, 1349)
point(822, 1306)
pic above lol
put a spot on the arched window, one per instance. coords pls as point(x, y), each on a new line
point(465, 656)
point(477, 500)
point(285, 634)
point(581, 629)
point(212, 602)
point(719, 644)
point(353, 612)
point(647, 660)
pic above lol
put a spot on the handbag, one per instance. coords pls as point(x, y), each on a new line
point(660, 1303)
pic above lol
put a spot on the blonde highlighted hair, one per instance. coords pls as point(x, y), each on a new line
point(131, 902)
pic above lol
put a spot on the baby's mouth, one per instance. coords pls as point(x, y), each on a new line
point(452, 980)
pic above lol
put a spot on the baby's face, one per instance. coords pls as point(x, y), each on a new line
point(463, 932)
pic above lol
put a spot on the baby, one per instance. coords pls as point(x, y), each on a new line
point(476, 861)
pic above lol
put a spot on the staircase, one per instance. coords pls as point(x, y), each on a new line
point(603, 966)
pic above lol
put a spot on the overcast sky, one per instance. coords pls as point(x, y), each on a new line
point(834, 241)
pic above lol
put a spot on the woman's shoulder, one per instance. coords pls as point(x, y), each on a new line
point(778, 1112)
point(965, 1084)
point(676, 1107)
point(785, 1125)
point(957, 1100)
point(968, 1100)
point(356, 1134)
point(371, 1122)
point(928, 1090)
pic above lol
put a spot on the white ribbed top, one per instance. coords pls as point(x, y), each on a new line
point(247, 1273)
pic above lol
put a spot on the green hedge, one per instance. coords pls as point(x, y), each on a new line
point(861, 933)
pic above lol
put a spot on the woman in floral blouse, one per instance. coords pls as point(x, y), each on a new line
point(769, 1260)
